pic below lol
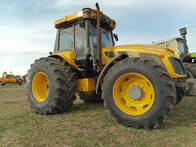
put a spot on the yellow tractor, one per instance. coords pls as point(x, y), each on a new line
point(10, 78)
point(137, 82)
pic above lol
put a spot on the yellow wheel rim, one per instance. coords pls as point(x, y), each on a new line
point(133, 94)
point(40, 86)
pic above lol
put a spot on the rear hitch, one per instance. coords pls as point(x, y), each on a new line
point(190, 85)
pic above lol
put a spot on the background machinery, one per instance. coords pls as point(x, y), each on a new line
point(24, 78)
point(137, 82)
point(10, 78)
point(180, 48)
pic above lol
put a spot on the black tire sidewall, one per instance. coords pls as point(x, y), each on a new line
point(159, 104)
point(62, 82)
point(45, 69)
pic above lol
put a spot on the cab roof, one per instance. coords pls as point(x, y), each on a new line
point(78, 15)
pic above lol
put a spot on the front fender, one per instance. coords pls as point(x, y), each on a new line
point(68, 56)
point(106, 68)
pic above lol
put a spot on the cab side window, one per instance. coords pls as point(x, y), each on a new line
point(80, 40)
point(66, 39)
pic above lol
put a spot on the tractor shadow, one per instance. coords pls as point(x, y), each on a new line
point(183, 114)
point(81, 107)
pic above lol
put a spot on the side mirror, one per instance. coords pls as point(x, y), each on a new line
point(115, 37)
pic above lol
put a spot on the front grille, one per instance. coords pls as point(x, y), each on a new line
point(177, 66)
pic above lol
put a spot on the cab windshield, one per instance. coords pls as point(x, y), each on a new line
point(181, 47)
point(106, 37)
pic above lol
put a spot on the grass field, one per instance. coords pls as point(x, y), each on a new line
point(87, 125)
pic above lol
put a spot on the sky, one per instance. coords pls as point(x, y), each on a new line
point(27, 26)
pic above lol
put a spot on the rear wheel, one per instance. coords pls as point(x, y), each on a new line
point(51, 86)
point(191, 73)
point(138, 92)
point(191, 69)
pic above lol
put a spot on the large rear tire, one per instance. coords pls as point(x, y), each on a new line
point(191, 73)
point(51, 86)
point(191, 69)
point(138, 93)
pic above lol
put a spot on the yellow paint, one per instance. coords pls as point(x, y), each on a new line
point(67, 56)
point(74, 17)
point(135, 49)
point(86, 85)
point(69, 19)
point(123, 100)
point(40, 86)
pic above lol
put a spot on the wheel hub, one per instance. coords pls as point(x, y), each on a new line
point(135, 92)
point(40, 86)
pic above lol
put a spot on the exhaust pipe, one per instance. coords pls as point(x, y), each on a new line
point(99, 67)
point(183, 33)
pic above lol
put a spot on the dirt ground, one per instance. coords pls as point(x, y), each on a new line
point(87, 125)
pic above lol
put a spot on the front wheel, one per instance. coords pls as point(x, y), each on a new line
point(138, 92)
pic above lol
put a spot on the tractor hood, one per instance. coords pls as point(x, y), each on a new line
point(142, 48)
point(136, 50)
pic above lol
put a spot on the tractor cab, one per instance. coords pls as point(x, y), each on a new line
point(77, 35)
point(176, 44)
